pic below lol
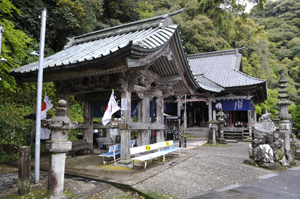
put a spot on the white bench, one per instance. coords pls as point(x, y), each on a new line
point(156, 150)
point(114, 150)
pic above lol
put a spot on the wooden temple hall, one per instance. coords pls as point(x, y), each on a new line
point(145, 64)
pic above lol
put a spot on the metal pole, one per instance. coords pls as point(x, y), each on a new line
point(1, 31)
point(185, 118)
point(39, 99)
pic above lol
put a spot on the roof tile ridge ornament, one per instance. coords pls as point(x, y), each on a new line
point(211, 54)
point(168, 18)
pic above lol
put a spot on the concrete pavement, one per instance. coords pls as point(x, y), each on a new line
point(275, 186)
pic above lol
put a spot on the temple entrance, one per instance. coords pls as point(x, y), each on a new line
point(197, 114)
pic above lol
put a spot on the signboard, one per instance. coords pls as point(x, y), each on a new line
point(232, 105)
point(124, 104)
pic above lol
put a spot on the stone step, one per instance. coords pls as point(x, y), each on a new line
point(197, 132)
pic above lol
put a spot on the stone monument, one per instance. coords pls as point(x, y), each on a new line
point(271, 142)
point(285, 128)
point(58, 147)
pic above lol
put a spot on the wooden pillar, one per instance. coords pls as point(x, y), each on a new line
point(160, 118)
point(179, 112)
point(144, 136)
point(88, 133)
point(249, 123)
point(233, 117)
point(125, 134)
point(210, 116)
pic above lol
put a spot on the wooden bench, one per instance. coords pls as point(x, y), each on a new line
point(79, 145)
point(105, 141)
point(156, 150)
point(115, 150)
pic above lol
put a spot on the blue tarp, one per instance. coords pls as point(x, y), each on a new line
point(232, 105)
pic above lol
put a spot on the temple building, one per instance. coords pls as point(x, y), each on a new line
point(222, 83)
point(145, 64)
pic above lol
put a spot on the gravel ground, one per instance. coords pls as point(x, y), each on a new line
point(211, 168)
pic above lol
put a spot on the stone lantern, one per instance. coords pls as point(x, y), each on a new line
point(58, 147)
point(220, 117)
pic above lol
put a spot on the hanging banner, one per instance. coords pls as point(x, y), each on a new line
point(232, 105)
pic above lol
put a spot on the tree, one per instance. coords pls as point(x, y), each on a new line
point(199, 35)
point(65, 18)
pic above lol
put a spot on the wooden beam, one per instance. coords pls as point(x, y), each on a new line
point(169, 80)
point(145, 126)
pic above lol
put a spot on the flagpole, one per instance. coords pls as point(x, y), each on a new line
point(39, 99)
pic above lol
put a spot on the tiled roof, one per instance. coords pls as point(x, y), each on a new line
point(207, 85)
point(222, 68)
point(147, 34)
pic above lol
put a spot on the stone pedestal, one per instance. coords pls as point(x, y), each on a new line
point(220, 117)
point(221, 132)
point(58, 147)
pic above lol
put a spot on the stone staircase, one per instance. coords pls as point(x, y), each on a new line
point(197, 132)
point(202, 132)
point(236, 135)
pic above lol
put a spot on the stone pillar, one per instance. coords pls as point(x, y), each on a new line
point(125, 133)
point(214, 114)
point(284, 116)
point(220, 117)
point(144, 136)
point(213, 132)
point(88, 133)
point(24, 170)
point(58, 146)
point(160, 118)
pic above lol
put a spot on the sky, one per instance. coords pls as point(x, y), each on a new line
point(250, 5)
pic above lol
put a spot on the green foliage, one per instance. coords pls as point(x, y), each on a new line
point(295, 111)
point(145, 9)
point(14, 130)
point(269, 105)
point(65, 18)
point(199, 35)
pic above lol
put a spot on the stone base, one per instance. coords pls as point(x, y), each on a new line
point(271, 166)
point(222, 141)
point(124, 161)
point(250, 161)
point(58, 196)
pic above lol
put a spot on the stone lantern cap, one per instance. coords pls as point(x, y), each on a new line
point(61, 120)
